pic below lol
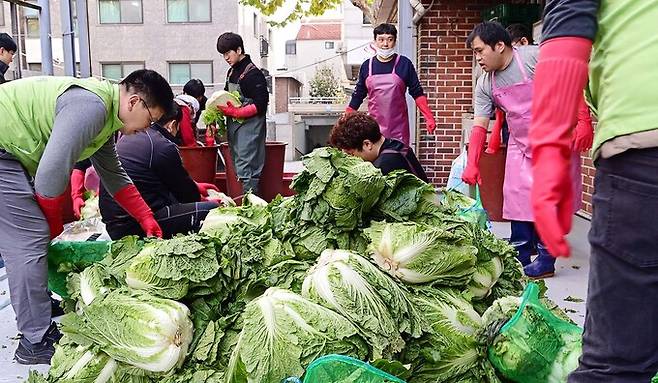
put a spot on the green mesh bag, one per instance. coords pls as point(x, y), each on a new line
point(343, 369)
point(65, 256)
point(535, 346)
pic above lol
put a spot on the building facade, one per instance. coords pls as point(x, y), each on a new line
point(177, 38)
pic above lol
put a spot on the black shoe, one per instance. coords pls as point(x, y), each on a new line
point(53, 333)
point(39, 353)
point(56, 308)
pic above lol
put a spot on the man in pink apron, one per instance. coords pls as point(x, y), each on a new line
point(508, 84)
point(384, 79)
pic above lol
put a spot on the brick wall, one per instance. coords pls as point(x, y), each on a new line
point(445, 71)
point(588, 184)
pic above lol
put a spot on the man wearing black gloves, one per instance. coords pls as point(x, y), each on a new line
point(246, 127)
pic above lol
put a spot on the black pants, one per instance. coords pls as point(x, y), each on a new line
point(620, 343)
point(181, 218)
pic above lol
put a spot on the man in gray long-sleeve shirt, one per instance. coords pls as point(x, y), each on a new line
point(49, 123)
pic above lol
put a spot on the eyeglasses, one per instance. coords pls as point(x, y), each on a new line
point(151, 120)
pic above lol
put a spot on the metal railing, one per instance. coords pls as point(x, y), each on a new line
point(316, 100)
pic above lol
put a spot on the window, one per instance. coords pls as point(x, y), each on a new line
point(328, 45)
point(188, 11)
point(255, 25)
point(32, 27)
point(35, 67)
point(120, 11)
point(31, 21)
point(181, 72)
point(291, 47)
point(2, 13)
point(117, 71)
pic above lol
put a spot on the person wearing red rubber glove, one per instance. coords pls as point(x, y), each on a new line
point(245, 130)
point(507, 84)
point(385, 79)
point(521, 36)
point(47, 124)
point(78, 191)
point(619, 342)
point(152, 161)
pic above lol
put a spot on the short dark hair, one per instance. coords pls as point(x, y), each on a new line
point(152, 87)
point(229, 41)
point(385, 29)
point(518, 31)
point(491, 33)
point(7, 42)
point(194, 88)
point(352, 129)
point(174, 113)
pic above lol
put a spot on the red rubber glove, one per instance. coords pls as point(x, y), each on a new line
point(52, 210)
point(496, 134)
point(583, 135)
point(204, 187)
point(554, 108)
point(187, 128)
point(209, 138)
point(133, 203)
point(423, 106)
point(476, 141)
point(246, 111)
point(77, 191)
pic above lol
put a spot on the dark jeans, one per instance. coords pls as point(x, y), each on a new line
point(175, 219)
point(524, 237)
point(620, 343)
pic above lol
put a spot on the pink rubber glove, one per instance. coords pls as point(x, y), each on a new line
point(77, 191)
point(204, 187)
point(583, 135)
point(496, 134)
point(424, 107)
point(241, 112)
point(554, 113)
point(52, 210)
point(133, 203)
point(476, 141)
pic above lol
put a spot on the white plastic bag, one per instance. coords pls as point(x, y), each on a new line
point(455, 179)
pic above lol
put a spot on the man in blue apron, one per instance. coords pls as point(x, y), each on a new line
point(385, 79)
point(358, 134)
point(620, 342)
point(508, 85)
point(246, 128)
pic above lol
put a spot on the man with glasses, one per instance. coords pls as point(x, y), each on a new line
point(48, 124)
point(7, 52)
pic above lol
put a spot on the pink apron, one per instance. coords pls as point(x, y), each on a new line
point(387, 103)
point(516, 101)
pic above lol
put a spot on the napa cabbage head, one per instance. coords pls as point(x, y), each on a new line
point(283, 333)
point(485, 277)
point(169, 268)
point(138, 329)
point(349, 284)
point(418, 254)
